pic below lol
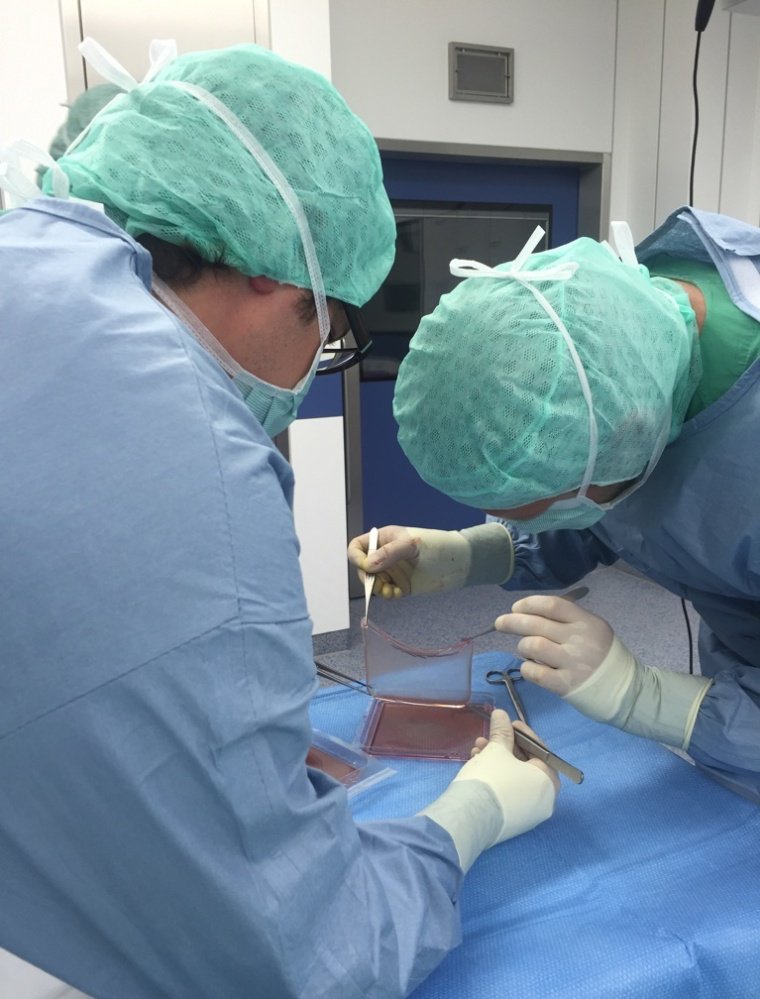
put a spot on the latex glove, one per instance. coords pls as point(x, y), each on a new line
point(576, 654)
point(412, 560)
point(497, 795)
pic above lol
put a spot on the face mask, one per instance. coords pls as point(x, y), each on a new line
point(579, 512)
point(273, 406)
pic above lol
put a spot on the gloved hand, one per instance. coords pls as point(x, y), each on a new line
point(576, 654)
point(412, 560)
point(498, 793)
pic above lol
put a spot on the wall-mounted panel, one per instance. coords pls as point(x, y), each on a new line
point(390, 60)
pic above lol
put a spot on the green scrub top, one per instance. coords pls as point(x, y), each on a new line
point(729, 341)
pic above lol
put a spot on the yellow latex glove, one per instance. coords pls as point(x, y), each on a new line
point(413, 560)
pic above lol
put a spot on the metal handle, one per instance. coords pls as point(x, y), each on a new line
point(530, 745)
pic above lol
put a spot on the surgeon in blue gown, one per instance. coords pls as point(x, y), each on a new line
point(604, 404)
point(161, 318)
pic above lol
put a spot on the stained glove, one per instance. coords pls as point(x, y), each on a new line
point(577, 655)
point(496, 795)
point(412, 560)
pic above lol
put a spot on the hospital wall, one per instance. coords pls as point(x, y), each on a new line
point(605, 76)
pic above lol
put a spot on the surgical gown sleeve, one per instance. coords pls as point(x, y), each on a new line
point(553, 560)
point(160, 834)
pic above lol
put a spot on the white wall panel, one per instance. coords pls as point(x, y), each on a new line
point(654, 113)
point(300, 30)
point(319, 509)
point(676, 115)
point(740, 186)
point(126, 29)
point(636, 131)
point(32, 77)
point(390, 60)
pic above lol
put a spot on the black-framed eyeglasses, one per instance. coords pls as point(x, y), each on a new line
point(349, 349)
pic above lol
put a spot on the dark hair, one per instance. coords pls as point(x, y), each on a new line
point(179, 266)
point(183, 266)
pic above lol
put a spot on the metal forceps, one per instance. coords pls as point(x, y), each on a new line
point(522, 739)
point(497, 676)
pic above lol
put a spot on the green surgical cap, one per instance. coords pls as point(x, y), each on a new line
point(81, 113)
point(489, 403)
point(161, 162)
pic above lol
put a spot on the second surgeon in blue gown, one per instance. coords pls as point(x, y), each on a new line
point(630, 433)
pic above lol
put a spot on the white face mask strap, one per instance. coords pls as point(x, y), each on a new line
point(593, 430)
point(161, 52)
point(532, 242)
point(105, 64)
point(174, 303)
point(621, 239)
point(14, 181)
point(558, 272)
point(206, 338)
point(282, 185)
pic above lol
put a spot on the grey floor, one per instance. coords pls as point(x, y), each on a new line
point(646, 617)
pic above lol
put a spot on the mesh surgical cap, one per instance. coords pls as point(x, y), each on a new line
point(82, 111)
point(488, 400)
point(161, 162)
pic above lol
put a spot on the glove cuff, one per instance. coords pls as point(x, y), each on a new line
point(470, 813)
point(494, 797)
point(605, 693)
point(492, 558)
point(643, 700)
point(663, 705)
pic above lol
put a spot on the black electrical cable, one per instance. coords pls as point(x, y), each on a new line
point(696, 120)
point(701, 20)
point(688, 632)
point(704, 10)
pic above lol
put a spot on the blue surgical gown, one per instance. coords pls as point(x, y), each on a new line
point(694, 526)
point(160, 834)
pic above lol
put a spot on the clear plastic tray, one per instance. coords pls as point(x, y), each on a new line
point(348, 764)
point(397, 671)
point(425, 731)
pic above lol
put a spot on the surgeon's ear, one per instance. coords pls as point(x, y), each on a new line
point(263, 285)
